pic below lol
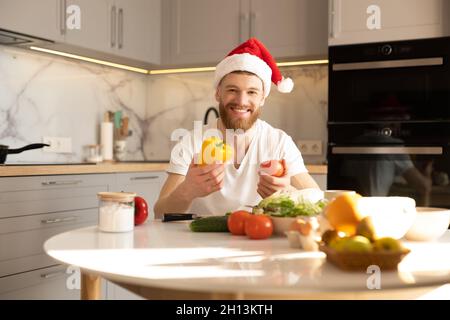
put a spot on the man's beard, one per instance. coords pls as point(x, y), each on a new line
point(237, 123)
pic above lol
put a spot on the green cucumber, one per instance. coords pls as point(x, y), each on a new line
point(210, 224)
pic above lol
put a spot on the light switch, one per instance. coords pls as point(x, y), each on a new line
point(58, 144)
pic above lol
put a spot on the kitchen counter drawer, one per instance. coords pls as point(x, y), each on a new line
point(51, 283)
point(22, 238)
point(21, 196)
point(46, 283)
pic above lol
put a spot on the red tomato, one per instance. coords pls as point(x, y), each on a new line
point(236, 222)
point(140, 210)
point(276, 168)
point(258, 226)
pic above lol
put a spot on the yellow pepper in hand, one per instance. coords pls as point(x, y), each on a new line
point(215, 150)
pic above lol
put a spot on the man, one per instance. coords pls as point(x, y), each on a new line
point(242, 82)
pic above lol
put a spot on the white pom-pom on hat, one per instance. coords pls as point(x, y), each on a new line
point(285, 85)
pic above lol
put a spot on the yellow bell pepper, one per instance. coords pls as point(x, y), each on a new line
point(215, 150)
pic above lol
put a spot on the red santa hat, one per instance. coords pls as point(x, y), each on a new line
point(253, 57)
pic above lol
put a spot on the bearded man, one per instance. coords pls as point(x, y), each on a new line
point(242, 82)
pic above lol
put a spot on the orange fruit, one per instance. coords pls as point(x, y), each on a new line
point(342, 213)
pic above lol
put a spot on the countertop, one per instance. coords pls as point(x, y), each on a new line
point(168, 256)
point(104, 167)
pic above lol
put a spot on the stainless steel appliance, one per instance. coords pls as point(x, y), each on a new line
point(389, 119)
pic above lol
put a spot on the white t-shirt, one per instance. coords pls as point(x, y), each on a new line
point(240, 185)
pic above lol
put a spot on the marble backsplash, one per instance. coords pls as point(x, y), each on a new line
point(42, 95)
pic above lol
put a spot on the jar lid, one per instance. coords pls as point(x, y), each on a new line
point(117, 196)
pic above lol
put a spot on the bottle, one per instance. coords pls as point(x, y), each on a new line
point(106, 140)
point(116, 211)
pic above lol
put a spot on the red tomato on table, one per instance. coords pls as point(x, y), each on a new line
point(258, 226)
point(236, 222)
point(140, 210)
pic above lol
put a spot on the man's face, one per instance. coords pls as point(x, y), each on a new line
point(240, 96)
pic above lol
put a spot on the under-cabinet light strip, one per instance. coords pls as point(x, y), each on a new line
point(75, 56)
point(164, 71)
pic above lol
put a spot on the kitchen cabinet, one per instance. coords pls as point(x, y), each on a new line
point(363, 21)
point(127, 32)
point(127, 29)
point(33, 209)
point(145, 184)
point(42, 284)
point(36, 18)
point(138, 29)
point(95, 25)
point(204, 31)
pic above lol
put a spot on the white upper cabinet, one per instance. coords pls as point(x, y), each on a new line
point(204, 31)
point(129, 29)
point(36, 18)
point(201, 31)
point(139, 29)
point(90, 27)
point(362, 21)
point(121, 31)
point(291, 28)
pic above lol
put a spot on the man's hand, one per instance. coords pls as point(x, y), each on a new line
point(268, 185)
point(202, 180)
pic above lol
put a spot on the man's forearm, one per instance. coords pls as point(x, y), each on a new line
point(177, 201)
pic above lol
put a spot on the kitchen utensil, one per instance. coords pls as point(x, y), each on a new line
point(167, 217)
point(124, 128)
point(4, 150)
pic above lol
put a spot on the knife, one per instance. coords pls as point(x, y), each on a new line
point(167, 217)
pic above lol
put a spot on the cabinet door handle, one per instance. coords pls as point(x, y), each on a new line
point(388, 150)
point(253, 17)
point(53, 274)
point(120, 28)
point(113, 26)
point(243, 24)
point(61, 183)
point(332, 18)
point(144, 178)
point(62, 18)
point(58, 220)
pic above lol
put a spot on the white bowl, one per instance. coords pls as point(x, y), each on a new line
point(430, 224)
point(391, 216)
point(282, 224)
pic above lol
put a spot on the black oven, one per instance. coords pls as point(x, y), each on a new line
point(389, 119)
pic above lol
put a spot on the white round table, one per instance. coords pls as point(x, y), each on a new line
point(167, 260)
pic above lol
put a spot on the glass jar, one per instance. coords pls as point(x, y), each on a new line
point(116, 211)
point(93, 153)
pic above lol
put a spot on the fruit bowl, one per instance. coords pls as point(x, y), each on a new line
point(359, 261)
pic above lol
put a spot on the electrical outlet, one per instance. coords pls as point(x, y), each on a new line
point(58, 144)
point(310, 147)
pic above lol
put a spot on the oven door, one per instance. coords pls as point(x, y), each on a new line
point(419, 172)
point(408, 84)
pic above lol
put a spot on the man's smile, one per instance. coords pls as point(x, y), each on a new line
point(240, 111)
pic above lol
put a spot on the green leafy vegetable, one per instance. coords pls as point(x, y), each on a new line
point(291, 204)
